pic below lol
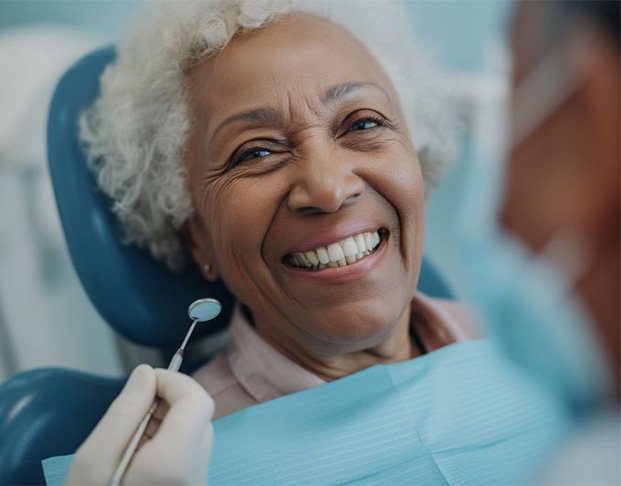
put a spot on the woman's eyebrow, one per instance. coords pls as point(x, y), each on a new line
point(334, 93)
point(270, 116)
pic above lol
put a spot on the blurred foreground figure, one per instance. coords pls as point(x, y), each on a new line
point(562, 200)
point(541, 240)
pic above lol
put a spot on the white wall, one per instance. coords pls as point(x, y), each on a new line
point(45, 318)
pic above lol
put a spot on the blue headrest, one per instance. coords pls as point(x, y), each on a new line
point(138, 296)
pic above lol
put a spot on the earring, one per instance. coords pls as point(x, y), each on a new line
point(207, 268)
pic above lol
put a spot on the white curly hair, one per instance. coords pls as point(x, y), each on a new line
point(134, 134)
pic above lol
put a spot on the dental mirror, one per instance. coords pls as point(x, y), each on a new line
point(202, 310)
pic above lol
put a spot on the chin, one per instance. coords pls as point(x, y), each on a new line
point(363, 327)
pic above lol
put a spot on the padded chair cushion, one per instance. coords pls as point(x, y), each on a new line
point(48, 412)
point(138, 296)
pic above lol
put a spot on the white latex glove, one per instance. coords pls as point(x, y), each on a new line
point(176, 446)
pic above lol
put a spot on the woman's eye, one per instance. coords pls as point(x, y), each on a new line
point(254, 153)
point(365, 124)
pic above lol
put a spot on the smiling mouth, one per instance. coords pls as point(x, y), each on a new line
point(341, 253)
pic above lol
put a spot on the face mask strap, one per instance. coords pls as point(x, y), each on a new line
point(546, 87)
point(568, 254)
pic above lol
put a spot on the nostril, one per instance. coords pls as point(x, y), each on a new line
point(353, 197)
point(308, 210)
point(327, 206)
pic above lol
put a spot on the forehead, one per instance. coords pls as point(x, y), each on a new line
point(298, 53)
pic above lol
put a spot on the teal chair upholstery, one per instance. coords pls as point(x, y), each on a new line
point(49, 412)
point(138, 297)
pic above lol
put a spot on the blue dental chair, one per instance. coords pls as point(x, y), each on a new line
point(49, 412)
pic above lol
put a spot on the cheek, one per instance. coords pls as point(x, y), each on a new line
point(405, 191)
point(413, 220)
point(237, 214)
point(400, 181)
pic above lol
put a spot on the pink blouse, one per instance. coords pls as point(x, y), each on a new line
point(250, 371)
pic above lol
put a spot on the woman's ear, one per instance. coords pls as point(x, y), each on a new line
point(201, 248)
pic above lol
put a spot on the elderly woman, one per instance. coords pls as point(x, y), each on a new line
point(291, 161)
point(276, 147)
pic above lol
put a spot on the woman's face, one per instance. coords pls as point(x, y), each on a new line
point(298, 144)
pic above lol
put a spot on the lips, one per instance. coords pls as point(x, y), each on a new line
point(340, 253)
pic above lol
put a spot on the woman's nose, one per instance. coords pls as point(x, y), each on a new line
point(325, 183)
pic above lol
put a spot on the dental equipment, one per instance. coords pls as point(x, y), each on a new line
point(201, 310)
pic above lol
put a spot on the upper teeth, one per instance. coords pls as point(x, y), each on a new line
point(338, 254)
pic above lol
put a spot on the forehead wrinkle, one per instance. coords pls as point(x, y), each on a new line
point(303, 106)
point(316, 104)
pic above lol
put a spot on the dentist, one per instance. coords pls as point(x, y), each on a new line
point(548, 287)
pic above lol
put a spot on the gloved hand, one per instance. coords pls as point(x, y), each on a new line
point(177, 442)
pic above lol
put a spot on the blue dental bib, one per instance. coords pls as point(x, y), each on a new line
point(459, 415)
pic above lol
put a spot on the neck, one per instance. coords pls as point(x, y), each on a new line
point(345, 359)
